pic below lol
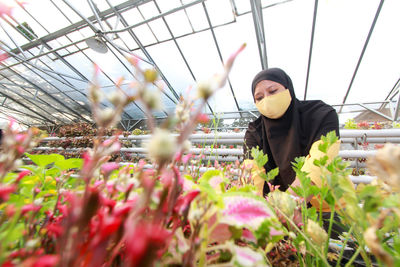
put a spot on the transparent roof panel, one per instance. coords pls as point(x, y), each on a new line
point(179, 77)
point(336, 52)
point(168, 5)
point(148, 10)
point(220, 12)
point(230, 37)
point(197, 17)
point(160, 30)
point(178, 23)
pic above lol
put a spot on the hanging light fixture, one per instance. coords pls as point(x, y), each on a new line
point(97, 44)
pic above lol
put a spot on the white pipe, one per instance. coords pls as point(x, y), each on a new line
point(365, 179)
point(344, 133)
point(221, 151)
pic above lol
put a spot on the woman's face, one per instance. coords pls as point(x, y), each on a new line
point(267, 88)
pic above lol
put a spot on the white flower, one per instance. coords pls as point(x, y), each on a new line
point(152, 99)
point(205, 89)
point(117, 98)
point(162, 146)
point(186, 146)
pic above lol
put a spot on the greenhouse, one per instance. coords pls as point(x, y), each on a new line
point(199, 133)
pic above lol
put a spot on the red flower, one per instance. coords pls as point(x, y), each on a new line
point(30, 207)
point(123, 209)
point(183, 202)
point(22, 175)
point(203, 118)
point(144, 240)
point(46, 261)
point(6, 190)
point(54, 230)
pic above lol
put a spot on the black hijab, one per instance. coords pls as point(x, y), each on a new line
point(292, 135)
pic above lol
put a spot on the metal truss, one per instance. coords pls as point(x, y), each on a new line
point(24, 55)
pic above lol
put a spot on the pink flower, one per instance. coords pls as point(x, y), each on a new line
point(46, 261)
point(203, 118)
point(98, 183)
point(107, 168)
point(5, 10)
point(3, 56)
point(186, 158)
point(20, 138)
point(6, 190)
point(87, 161)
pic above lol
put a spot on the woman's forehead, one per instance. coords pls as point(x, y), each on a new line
point(265, 84)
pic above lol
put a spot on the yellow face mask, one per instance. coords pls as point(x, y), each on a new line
point(274, 106)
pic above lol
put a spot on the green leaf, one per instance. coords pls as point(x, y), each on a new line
point(54, 172)
point(69, 164)
point(44, 160)
point(259, 157)
point(13, 235)
point(272, 174)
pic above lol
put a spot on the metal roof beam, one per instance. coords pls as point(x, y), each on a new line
point(219, 53)
point(51, 96)
point(311, 47)
point(25, 106)
point(38, 99)
point(257, 14)
point(80, 24)
point(143, 49)
point(179, 48)
point(363, 51)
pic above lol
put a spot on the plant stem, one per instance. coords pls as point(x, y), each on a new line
point(305, 237)
point(344, 246)
point(329, 230)
point(353, 257)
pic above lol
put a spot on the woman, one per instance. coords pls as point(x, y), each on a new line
point(287, 127)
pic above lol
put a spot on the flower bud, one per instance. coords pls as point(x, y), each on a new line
point(162, 146)
point(152, 99)
point(204, 90)
point(150, 75)
point(117, 98)
point(316, 232)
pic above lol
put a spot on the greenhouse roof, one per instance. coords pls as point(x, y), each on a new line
point(344, 52)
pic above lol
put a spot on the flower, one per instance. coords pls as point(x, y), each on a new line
point(204, 90)
point(5, 10)
point(6, 190)
point(317, 234)
point(183, 203)
point(108, 167)
point(203, 118)
point(117, 98)
point(150, 75)
point(386, 165)
point(283, 201)
point(152, 99)
point(162, 146)
point(46, 261)
point(143, 240)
